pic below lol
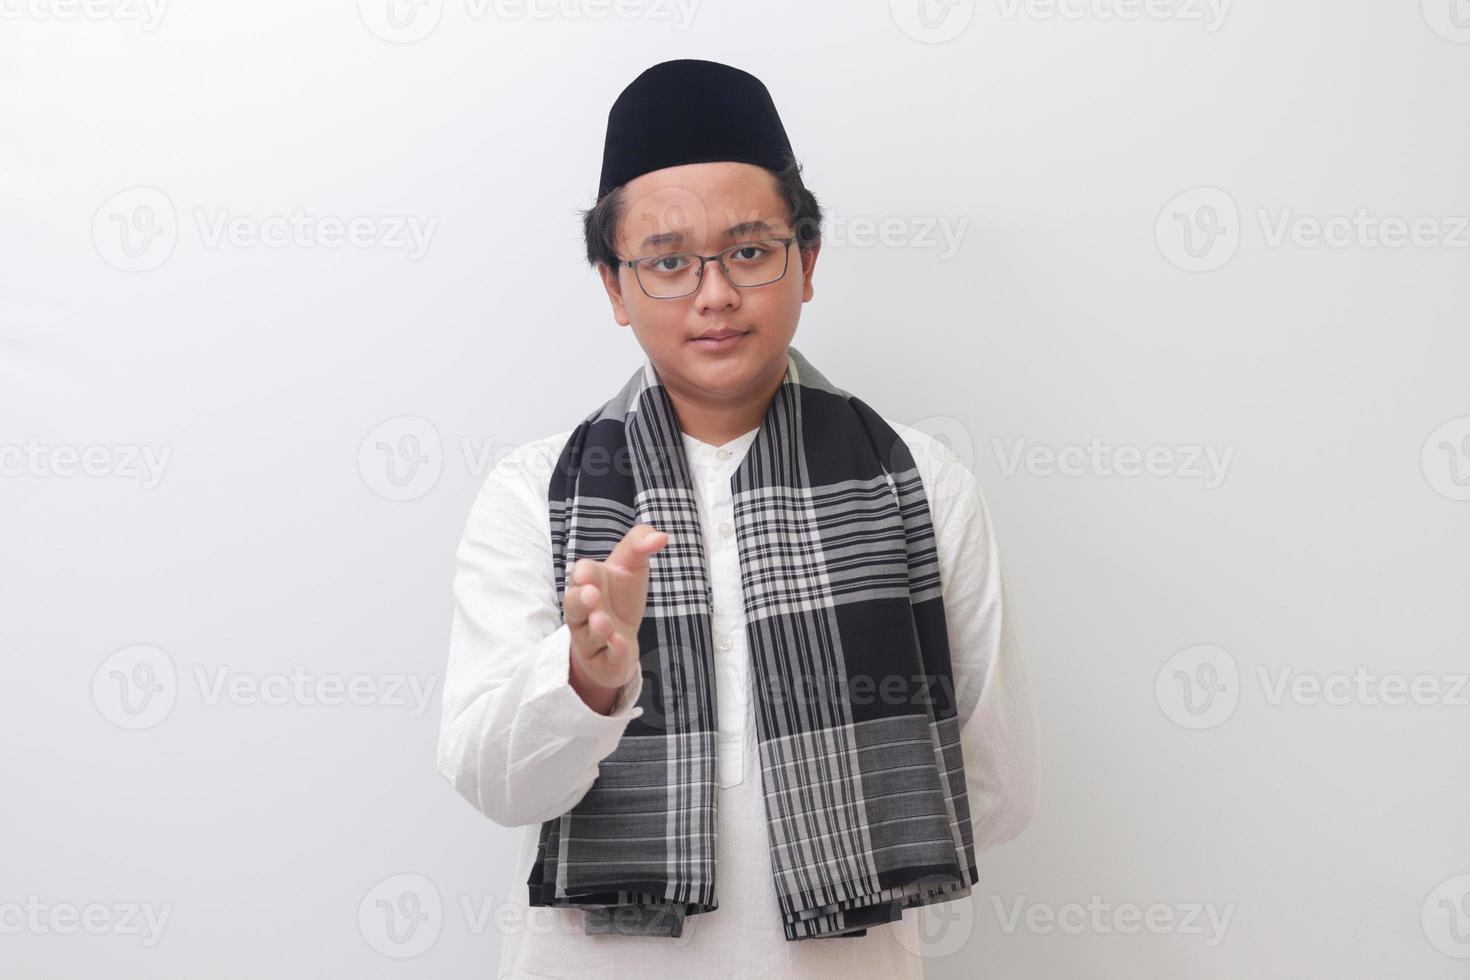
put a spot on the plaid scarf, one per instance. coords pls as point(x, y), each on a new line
point(861, 769)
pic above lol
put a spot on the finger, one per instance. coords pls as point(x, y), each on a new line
point(602, 625)
point(579, 602)
point(581, 571)
point(617, 646)
point(590, 571)
point(588, 640)
point(631, 553)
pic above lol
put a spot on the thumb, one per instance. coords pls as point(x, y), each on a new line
point(631, 553)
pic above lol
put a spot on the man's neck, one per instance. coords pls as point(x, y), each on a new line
point(720, 423)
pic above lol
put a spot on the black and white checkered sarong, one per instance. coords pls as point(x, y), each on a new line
point(860, 758)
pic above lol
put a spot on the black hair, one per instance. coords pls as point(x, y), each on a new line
point(600, 222)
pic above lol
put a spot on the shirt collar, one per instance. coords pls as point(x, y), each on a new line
point(735, 447)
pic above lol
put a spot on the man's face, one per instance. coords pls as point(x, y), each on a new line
point(704, 208)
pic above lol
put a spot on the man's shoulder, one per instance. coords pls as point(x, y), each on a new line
point(929, 451)
point(543, 446)
point(527, 467)
point(949, 482)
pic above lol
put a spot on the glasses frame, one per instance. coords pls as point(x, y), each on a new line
point(704, 259)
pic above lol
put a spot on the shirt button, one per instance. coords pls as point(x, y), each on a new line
point(725, 642)
point(725, 529)
point(723, 454)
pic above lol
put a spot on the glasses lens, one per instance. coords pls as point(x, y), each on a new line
point(666, 276)
point(756, 263)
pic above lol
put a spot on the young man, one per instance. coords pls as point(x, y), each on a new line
point(735, 650)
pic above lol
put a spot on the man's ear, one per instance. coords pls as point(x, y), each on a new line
point(614, 289)
point(808, 266)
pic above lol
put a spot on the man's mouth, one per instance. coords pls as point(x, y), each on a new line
point(718, 340)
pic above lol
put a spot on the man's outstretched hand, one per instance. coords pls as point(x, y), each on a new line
point(604, 604)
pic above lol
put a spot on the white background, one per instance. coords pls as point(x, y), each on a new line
point(1059, 140)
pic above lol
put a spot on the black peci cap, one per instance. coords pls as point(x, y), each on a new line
point(690, 111)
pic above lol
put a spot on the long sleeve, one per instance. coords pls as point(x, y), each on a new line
point(516, 740)
point(998, 734)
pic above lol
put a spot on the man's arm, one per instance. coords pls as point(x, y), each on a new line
point(516, 740)
point(998, 733)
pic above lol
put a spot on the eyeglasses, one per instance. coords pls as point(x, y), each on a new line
point(745, 264)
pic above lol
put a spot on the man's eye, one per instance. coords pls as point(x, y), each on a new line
point(670, 263)
point(748, 253)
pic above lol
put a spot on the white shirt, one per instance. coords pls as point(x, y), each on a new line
point(522, 746)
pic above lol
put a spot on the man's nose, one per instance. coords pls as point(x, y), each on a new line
point(716, 292)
